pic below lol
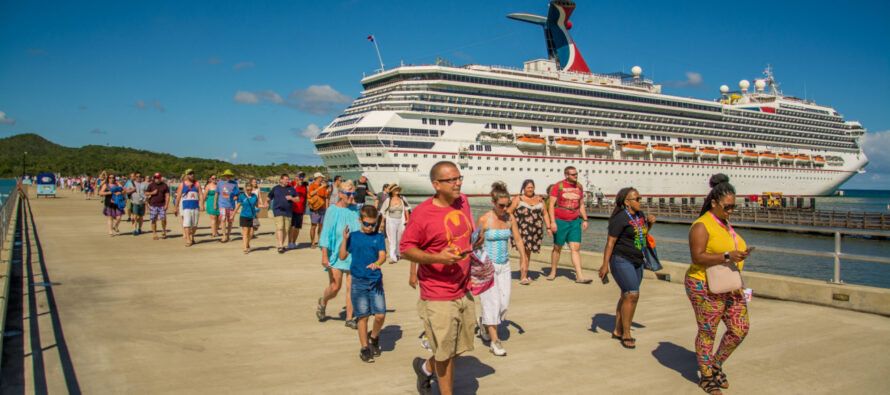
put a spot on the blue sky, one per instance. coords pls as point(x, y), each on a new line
point(245, 81)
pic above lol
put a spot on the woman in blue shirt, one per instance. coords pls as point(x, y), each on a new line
point(249, 204)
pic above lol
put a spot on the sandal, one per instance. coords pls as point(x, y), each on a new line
point(719, 377)
point(614, 336)
point(351, 324)
point(709, 385)
point(525, 281)
point(625, 342)
point(584, 281)
point(320, 310)
point(280, 250)
point(551, 277)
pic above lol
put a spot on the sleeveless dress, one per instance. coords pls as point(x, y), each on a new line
point(531, 224)
point(208, 202)
point(496, 245)
point(496, 300)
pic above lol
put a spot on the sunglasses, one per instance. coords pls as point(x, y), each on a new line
point(451, 180)
point(348, 193)
point(572, 174)
point(728, 207)
point(502, 205)
point(368, 223)
point(638, 199)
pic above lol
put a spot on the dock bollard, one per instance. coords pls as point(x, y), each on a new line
point(837, 258)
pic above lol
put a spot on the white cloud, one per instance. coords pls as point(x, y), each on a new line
point(214, 60)
point(242, 65)
point(875, 147)
point(97, 131)
point(82, 107)
point(38, 51)
point(693, 80)
point(4, 120)
point(157, 105)
point(310, 131)
point(271, 96)
point(245, 97)
point(141, 105)
point(259, 138)
point(234, 155)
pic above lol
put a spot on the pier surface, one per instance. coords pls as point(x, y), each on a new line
point(137, 315)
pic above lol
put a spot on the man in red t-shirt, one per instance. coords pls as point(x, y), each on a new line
point(296, 221)
point(570, 219)
point(438, 237)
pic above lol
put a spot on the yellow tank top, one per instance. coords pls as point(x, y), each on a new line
point(719, 241)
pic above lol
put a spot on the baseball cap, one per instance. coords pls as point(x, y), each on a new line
point(189, 171)
point(365, 175)
point(301, 174)
point(157, 175)
point(317, 174)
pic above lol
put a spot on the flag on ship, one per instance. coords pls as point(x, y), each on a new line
point(371, 38)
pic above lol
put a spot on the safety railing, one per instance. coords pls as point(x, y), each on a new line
point(6, 215)
point(837, 254)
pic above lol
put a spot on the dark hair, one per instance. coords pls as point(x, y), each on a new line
point(499, 191)
point(434, 171)
point(525, 184)
point(620, 198)
point(368, 211)
point(566, 170)
point(720, 187)
point(337, 178)
point(283, 175)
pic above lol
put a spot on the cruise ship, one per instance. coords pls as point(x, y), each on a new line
point(509, 124)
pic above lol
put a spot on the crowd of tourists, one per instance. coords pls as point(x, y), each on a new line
point(454, 258)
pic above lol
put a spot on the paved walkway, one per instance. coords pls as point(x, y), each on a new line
point(145, 316)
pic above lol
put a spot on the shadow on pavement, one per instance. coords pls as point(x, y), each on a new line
point(677, 358)
point(389, 335)
point(467, 371)
point(606, 322)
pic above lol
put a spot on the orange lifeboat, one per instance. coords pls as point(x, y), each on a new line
point(663, 150)
point(596, 146)
point(767, 157)
point(802, 159)
point(530, 143)
point(633, 148)
point(566, 144)
point(786, 158)
point(685, 151)
point(819, 161)
point(709, 153)
point(750, 156)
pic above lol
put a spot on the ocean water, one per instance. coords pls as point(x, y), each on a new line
point(852, 272)
point(5, 187)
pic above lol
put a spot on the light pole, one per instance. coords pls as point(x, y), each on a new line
point(23, 165)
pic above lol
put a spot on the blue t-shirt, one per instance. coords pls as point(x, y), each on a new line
point(282, 207)
point(227, 192)
point(248, 205)
point(364, 249)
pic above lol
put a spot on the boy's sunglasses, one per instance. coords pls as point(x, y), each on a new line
point(369, 223)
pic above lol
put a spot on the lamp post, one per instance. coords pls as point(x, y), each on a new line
point(23, 165)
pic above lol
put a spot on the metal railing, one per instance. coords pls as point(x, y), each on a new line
point(837, 254)
point(6, 215)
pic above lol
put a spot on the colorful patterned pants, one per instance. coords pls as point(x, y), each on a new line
point(710, 309)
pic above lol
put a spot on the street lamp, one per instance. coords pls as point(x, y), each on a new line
point(23, 165)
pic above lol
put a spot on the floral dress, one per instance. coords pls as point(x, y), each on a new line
point(531, 224)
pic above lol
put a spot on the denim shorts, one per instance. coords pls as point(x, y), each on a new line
point(627, 274)
point(367, 297)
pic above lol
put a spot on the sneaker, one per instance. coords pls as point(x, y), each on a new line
point(497, 349)
point(483, 331)
point(366, 355)
point(374, 344)
point(291, 246)
point(424, 385)
point(425, 343)
point(351, 324)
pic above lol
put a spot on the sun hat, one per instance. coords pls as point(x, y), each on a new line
point(317, 174)
point(228, 173)
point(189, 171)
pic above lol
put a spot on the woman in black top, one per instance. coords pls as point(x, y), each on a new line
point(623, 256)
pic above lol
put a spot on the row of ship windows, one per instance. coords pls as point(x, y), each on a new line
point(563, 90)
point(647, 118)
point(670, 129)
point(747, 117)
point(442, 122)
point(653, 173)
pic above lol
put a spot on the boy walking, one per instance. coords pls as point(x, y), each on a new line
point(368, 249)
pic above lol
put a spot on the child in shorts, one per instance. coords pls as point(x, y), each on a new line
point(368, 249)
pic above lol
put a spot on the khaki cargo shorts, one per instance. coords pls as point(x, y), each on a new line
point(449, 325)
point(282, 222)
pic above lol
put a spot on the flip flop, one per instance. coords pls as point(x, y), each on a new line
point(614, 336)
point(624, 342)
point(156, 237)
point(584, 281)
point(551, 278)
point(525, 281)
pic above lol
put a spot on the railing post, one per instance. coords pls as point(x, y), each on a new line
point(837, 258)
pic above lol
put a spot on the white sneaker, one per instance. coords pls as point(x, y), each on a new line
point(425, 343)
point(483, 331)
point(497, 349)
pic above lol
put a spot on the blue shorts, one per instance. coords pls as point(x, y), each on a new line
point(627, 274)
point(317, 216)
point(367, 297)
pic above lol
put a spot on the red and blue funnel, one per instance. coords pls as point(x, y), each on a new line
point(560, 46)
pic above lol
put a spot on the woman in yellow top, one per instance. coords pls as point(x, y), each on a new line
point(712, 241)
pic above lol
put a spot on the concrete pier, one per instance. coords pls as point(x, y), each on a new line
point(145, 316)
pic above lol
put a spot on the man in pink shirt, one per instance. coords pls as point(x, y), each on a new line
point(570, 219)
point(438, 237)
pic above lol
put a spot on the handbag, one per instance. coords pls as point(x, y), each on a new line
point(481, 272)
point(650, 256)
point(723, 278)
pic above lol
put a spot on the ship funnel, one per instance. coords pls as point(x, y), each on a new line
point(560, 46)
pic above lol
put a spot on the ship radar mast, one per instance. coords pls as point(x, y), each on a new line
point(771, 81)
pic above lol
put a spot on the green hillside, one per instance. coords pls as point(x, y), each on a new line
point(45, 156)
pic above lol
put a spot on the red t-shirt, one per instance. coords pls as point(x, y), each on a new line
point(433, 229)
point(299, 206)
point(568, 200)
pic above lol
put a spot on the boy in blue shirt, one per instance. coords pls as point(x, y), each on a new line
point(368, 249)
point(249, 205)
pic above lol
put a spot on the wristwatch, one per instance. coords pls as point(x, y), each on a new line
point(726, 257)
